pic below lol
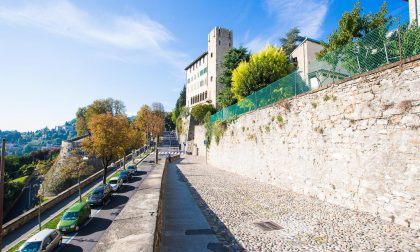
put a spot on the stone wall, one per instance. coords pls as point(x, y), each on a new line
point(200, 136)
point(355, 143)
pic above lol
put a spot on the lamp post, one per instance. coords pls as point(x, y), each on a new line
point(85, 159)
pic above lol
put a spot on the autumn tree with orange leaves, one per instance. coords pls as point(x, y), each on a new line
point(110, 138)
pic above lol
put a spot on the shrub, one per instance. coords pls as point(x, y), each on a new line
point(218, 130)
point(279, 119)
point(199, 112)
point(263, 68)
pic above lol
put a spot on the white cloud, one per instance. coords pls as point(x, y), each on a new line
point(307, 15)
point(139, 33)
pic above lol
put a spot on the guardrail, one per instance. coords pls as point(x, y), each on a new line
point(29, 215)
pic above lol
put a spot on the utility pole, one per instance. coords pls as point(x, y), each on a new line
point(2, 164)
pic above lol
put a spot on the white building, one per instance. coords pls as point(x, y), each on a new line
point(304, 54)
point(414, 10)
point(202, 73)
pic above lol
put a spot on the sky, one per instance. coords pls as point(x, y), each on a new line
point(57, 56)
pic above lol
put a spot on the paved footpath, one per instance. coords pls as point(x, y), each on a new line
point(185, 227)
point(233, 204)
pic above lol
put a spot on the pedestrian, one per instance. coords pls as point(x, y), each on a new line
point(169, 158)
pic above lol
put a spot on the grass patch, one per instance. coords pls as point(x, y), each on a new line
point(326, 98)
point(314, 104)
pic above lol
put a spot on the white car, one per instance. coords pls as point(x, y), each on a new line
point(44, 240)
point(115, 183)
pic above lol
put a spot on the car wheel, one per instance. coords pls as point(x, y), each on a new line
point(76, 228)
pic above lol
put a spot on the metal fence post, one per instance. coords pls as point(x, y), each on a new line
point(399, 39)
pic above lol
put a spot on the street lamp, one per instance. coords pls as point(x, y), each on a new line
point(85, 159)
point(29, 187)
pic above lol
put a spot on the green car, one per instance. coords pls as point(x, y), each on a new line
point(74, 217)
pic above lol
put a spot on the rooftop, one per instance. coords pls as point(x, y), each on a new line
point(197, 59)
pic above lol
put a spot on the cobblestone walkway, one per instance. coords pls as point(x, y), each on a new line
point(233, 204)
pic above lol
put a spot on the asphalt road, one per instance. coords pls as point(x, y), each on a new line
point(102, 217)
point(32, 225)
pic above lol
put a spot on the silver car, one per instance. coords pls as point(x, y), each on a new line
point(44, 240)
point(115, 183)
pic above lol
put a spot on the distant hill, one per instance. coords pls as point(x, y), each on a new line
point(20, 143)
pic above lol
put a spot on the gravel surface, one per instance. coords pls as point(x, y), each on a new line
point(233, 204)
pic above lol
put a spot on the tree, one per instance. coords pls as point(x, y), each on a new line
point(290, 42)
point(263, 68)
point(354, 24)
point(109, 138)
point(230, 62)
point(151, 121)
point(180, 103)
point(169, 124)
point(199, 112)
point(101, 106)
point(75, 168)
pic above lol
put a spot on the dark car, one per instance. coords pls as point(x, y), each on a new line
point(100, 195)
point(125, 176)
point(132, 169)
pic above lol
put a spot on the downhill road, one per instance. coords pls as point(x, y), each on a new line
point(102, 217)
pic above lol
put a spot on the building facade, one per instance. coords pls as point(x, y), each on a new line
point(304, 54)
point(202, 73)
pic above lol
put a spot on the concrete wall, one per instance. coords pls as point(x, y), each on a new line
point(355, 143)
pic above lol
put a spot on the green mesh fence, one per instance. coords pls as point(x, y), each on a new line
point(381, 46)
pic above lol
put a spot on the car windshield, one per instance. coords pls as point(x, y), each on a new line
point(131, 168)
point(30, 246)
point(123, 173)
point(113, 181)
point(98, 191)
point(71, 216)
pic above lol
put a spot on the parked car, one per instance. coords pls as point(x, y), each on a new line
point(44, 240)
point(125, 176)
point(132, 169)
point(115, 183)
point(100, 195)
point(74, 217)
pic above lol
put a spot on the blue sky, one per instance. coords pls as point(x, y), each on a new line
point(56, 56)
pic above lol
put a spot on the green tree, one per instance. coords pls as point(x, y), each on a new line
point(354, 24)
point(230, 62)
point(180, 103)
point(263, 68)
point(199, 112)
point(290, 42)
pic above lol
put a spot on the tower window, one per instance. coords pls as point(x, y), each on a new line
point(211, 55)
point(219, 41)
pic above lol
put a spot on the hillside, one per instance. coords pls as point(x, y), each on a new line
point(20, 143)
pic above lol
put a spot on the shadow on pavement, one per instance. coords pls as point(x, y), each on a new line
point(140, 173)
point(223, 234)
point(134, 179)
point(96, 224)
point(68, 247)
point(116, 201)
point(125, 188)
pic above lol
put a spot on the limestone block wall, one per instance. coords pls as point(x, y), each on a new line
point(199, 137)
point(354, 143)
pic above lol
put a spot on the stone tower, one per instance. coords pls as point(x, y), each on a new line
point(220, 40)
